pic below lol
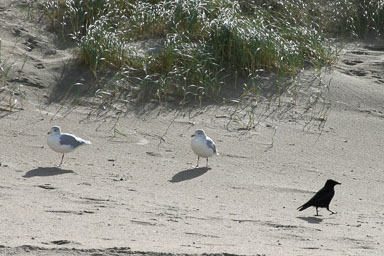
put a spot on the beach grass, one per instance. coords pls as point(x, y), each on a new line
point(203, 44)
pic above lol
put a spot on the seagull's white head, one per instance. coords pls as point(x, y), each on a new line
point(55, 130)
point(199, 133)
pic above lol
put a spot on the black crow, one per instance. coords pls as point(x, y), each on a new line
point(322, 198)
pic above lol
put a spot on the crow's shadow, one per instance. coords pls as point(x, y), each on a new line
point(46, 171)
point(312, 220)
point(189, 174)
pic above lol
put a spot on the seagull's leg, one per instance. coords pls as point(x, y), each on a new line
point(62, 158)
point(207, 162)
point(330, 210)
point(317, 212)
point(198, 158)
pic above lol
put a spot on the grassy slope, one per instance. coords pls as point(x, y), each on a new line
point(204, 42)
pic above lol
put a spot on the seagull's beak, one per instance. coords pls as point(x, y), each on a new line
point(49, 132)
point(193, 135)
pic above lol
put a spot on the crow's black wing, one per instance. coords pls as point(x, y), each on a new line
point(321, 199)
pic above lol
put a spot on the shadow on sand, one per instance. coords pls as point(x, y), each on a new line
point(312, 220)
point(46, 171)
point(189, 174)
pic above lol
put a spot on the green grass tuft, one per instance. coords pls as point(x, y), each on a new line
point(203, 42)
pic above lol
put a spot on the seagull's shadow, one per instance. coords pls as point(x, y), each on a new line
point(46, 171)
point(189, 174)
point(312, 220)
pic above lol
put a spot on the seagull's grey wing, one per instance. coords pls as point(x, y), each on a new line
point(211, 145)
point(66, 139)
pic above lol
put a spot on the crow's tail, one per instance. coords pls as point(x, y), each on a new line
point(303, 207)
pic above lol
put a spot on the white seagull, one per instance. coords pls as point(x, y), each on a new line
point(202, 145)
point(63, 142)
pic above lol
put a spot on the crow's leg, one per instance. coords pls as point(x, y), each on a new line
point(330, 211)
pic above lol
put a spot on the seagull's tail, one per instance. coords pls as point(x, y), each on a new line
point(86, 142)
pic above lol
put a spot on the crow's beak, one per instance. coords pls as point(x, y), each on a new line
point(338, 183)
point(193, 135)
point(49, 132)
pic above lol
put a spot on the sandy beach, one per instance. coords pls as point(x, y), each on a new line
point(135, 190)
